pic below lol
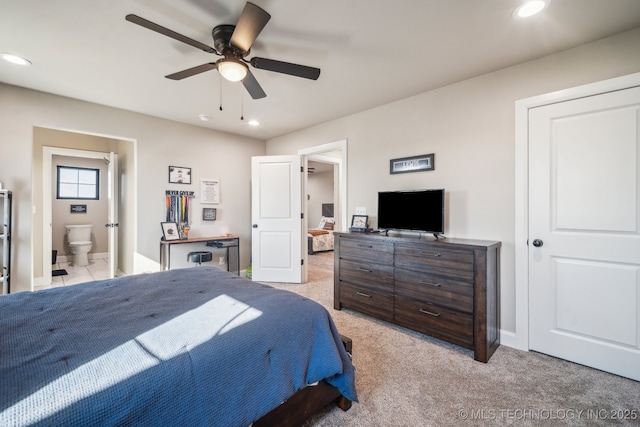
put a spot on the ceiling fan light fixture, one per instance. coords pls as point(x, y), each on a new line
point(529, 8)
point(232, 69)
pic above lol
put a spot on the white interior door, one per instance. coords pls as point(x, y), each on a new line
point(112, 220)
point(276, 213)
point(584, 241)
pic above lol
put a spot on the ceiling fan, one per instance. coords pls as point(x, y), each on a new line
point(233, 43)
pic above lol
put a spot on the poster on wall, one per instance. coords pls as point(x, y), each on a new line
point(210, 191)
point(179, 175)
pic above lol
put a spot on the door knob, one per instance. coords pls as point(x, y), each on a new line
point(255, 225)
point(537, 243)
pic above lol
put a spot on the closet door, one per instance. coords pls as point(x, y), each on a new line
point(584, 222)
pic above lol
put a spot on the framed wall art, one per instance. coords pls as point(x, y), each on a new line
point(424, 162)
point(170, 231)
point(209, 214)
point(179, 175)
point(210, 190)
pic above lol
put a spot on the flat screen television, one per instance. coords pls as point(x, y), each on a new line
point(420, 210)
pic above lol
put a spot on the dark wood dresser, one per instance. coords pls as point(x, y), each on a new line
point(446, 288)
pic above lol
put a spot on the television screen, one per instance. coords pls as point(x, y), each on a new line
point(421, 210)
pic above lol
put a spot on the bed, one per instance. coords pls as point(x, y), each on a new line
point(192, 346)
point(320, 239)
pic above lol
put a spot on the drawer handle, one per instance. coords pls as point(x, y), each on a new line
point(430, 313)
point(434, 284)
point(433, 254)
point(365, 246)
point(364, 269)
point(362, 294)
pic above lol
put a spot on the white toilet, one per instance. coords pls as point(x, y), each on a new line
point(79, 237)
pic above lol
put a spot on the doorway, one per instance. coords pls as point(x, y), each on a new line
point(84, 202)
point(335, 154)
point(46, 143)
point(273, 179)
point(104, 219)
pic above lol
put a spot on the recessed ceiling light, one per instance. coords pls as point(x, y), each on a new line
point(529, 8)
point(253, 123)
point(204, 117)
point(15, 59)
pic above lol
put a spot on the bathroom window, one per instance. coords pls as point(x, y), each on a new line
point(78, 183)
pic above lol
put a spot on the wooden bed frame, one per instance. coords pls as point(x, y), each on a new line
point(306, 402)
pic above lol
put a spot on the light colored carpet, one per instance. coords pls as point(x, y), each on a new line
point(408, 379)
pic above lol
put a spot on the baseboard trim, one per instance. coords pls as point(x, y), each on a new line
point(508, 338)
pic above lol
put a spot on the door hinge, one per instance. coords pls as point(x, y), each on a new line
point(302, 262)
point(302, 169)
point(301, 215)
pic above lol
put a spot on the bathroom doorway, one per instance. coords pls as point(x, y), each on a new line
point(104, 223)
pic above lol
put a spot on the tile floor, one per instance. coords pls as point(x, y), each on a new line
point(97, 269)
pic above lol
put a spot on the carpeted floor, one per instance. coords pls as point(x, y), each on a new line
point(408, 379)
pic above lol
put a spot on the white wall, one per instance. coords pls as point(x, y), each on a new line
point(158, 143)
point(96, 213)
point(319, 191)
point(470, 128)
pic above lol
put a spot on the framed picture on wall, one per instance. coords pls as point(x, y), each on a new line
point(170, 231)
point(209, 214)
point(421, 163)
point(179, 175)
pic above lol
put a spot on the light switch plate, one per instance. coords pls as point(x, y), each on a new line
point(361, 211)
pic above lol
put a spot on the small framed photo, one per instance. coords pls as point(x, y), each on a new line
point(209, 214)
point(179, 175)
point(360, 221)
point(421, 163)
point(170, 231)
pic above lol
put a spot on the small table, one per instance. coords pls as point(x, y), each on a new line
point(222, 242)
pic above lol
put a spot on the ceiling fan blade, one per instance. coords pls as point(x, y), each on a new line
point(169, 33)
point(192, 71)
point(251, 22)
point(253, 87)
point(286, 68)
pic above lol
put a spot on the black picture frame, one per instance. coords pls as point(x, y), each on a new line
point(170, 231)
point(179, 175)
point(209, 214)
point(360, 222)
point(421, 163)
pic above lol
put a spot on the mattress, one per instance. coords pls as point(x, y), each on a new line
point(193, 346)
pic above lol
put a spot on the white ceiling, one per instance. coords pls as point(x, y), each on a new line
point(370, 52)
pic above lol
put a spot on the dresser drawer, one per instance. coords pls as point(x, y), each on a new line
point(374, 303)
point(362, 274)
point(366, 250)
point(428, 288)
point(435, 320)
point(446, 262)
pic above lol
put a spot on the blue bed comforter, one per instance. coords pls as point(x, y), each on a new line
point(189, 347)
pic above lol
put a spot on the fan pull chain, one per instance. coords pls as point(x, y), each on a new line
point(241, 107)
point(220, 80)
